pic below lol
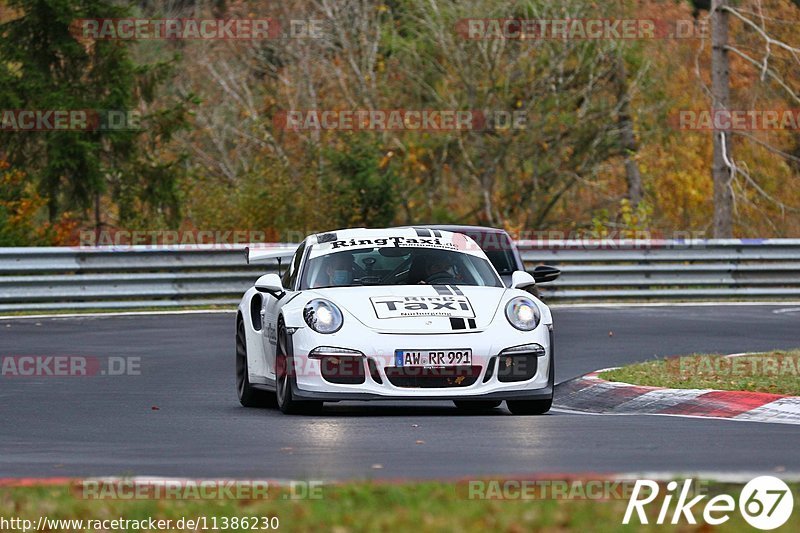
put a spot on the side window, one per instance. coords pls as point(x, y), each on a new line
point(290, 276)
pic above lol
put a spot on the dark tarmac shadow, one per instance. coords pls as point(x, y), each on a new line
point(385, 410)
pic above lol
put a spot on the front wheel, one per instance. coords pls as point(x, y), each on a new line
point(529, 407)
point(284, 369)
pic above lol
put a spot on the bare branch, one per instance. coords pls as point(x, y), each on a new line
point(772, 74)
point(769, 40)
point(767, 146)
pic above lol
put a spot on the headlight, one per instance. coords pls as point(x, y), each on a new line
point(323, 316)
point(522, 313)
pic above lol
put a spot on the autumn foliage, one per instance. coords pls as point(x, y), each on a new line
point(214, 154)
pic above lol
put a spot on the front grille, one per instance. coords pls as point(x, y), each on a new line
point(343, 369)
point(432, 378)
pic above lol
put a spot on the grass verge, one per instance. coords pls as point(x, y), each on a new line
point(359, 507)
point(773, 372)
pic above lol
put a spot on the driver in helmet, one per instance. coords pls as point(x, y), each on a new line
point(339, 268)
point(438, 270)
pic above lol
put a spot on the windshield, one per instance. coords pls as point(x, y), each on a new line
point(503, 262)
point(397, 266)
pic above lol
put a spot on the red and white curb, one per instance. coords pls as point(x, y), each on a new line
point(591, 394)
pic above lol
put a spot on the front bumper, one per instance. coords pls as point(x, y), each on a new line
point(309, 384)
point(545, 393)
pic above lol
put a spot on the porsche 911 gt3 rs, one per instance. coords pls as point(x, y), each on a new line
point(393, 314)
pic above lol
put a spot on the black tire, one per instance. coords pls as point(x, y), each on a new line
point(529, 407)
point(477, 405)
point(249, 396)
point(284, 371)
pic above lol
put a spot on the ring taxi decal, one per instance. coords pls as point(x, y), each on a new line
point(416, 306)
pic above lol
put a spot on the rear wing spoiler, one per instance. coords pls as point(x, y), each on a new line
point(262, 254)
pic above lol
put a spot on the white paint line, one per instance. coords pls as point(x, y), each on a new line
point(670, 304)
point(552, 306)
point(596, 373)
point(723, 477)
point(119, 313)
point(573, 412)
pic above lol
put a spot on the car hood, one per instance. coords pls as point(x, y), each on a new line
point(418, 308)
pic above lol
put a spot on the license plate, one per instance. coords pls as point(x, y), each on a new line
point(431, 358)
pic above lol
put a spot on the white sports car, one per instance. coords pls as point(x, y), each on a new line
point(393, 314)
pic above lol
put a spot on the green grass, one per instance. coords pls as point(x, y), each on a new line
point(356, 507)
point(774, 372)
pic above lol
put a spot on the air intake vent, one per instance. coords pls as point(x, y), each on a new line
point(519, 363)
point(343, 369)
point(433, 378)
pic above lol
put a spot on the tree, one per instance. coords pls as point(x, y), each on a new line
point(725, 170)
point(19, 208)
point(721, 170)
point(45, 65)
point(627, 135)
point(362, 186)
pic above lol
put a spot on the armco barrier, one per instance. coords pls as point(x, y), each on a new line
point(721, 269)
point(144, 277)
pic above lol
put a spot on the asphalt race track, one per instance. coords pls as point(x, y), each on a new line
point(105, 425)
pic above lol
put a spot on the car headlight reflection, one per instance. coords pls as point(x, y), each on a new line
point(522, 313)
point(323, 316)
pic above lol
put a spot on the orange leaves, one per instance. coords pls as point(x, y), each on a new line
point(21, 210)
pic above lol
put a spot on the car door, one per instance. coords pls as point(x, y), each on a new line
point(272, 307)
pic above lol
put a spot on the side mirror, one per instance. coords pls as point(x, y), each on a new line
point(522, 280)
point(269, 283)
point(545, 273)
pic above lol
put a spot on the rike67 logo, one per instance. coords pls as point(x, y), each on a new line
point(765, 503)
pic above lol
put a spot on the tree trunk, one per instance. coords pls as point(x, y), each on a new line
point(625, 122)
point(720, 90)
point(98, 223)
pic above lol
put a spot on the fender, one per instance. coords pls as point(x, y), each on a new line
point(256, 365)
point(293, 313)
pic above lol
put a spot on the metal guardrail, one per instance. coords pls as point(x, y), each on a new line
point(739, 269)
point(144, 277)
